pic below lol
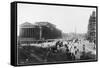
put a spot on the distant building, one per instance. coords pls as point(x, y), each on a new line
point(39, 31)
point(48, 30)
point(92, 28)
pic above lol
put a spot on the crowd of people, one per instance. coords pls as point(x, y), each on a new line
point(62, 50)
point(73, 49)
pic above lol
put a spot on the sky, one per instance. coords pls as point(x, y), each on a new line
point(66, 18)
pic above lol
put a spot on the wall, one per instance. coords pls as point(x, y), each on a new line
point(5, 34)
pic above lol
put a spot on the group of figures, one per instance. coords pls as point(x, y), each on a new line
point(62, 50)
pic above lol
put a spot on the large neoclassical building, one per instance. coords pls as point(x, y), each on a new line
point(39, 31)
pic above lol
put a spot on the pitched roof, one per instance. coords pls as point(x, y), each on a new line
point(27, 25)
point(45, 24)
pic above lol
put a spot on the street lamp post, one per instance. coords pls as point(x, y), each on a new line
point(40, 32)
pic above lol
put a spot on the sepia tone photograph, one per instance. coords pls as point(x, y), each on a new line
point(54, 33)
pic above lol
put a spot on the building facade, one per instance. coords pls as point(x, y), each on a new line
point(39, 31)
point(92, 28)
